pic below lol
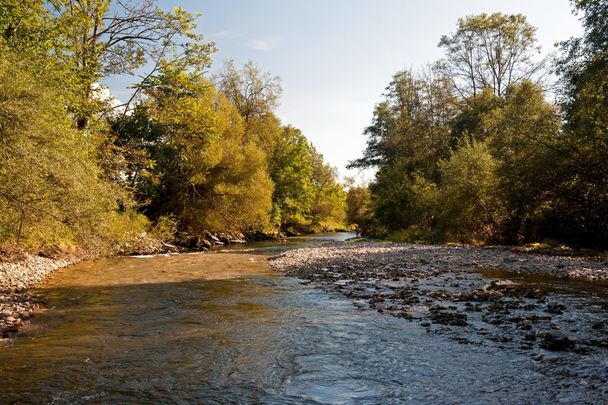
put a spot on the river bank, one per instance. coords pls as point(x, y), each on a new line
point(18, 272)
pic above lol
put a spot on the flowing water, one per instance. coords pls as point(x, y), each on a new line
point(223, 328)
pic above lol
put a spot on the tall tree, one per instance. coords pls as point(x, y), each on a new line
point(106, 37)
point(50, 189)
point(409, 135)
point(583, 206)
point(292, 172)
point(328, 209)
point(493, 51)
point(199, 167)
point(358, 205)
point(255, 95)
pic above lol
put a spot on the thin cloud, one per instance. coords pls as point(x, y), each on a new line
point(223, 34)
point(262, 45)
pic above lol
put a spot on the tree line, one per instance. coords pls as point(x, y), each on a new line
point(493, 143)
point(189, 152)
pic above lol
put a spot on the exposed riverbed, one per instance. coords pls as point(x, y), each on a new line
point(224, 328)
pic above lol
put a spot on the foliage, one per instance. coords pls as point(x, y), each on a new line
point(358, 206)
point(469, 201)
point(190, 152)
point(292, 173)
point(490, 51)
point(106, 37)
point(409, 134)
point(495, 161)
point(328, 208)
point(197, 166)
point(50, 190)
point(255, 95)
point(581, 209)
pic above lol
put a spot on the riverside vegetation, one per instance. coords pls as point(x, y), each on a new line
point(188, 153)
point(469, 149)
point(190, 159)
point(472, 149)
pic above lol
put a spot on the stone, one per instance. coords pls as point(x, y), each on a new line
point(555, 308)
point(168, 247)
point(449, 318)
point(555, 340)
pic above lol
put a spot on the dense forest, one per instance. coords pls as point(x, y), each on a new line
point(494, 144)
point(490, 144)
point(190, 152)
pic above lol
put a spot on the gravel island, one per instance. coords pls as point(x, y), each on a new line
point(554, 309)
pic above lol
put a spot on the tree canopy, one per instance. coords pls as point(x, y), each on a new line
point(486, 157)
point(186, 154)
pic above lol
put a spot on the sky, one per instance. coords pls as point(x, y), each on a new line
point(336, 57)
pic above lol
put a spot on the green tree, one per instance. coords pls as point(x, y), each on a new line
point(291, 172)
point(358, 206)
point(90, 40)
point(328, 208)
point(525, 132)
point(582, 207)
point(50, 189)
point(475, 118)
point(198, 165)
point(409, 135)
point(470, 206)
point(493, 51)
point(255, 95)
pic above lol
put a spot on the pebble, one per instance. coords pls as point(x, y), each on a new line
point(16, 275)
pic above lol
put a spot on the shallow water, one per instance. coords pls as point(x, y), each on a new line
point(223, 328)
point(272, 247)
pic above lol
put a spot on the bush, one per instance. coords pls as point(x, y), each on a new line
point(470, 207)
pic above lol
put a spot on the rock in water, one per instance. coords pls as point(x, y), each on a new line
point(555, 340)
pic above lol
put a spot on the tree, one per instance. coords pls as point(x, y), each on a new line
point(358, 206)
point(524, 141)
point(582, 208)
point(493, 51)
point(99, 38)
point(291, 171)
point(200, 170)
point(255, 95)
point(474, 119)
point(469, 203)
point(50, 189)
point(252, 92)
point(411, 123)
point(328, 209)
point(409, 135)
point(26, 25)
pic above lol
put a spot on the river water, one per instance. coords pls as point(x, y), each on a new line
point(223, 328)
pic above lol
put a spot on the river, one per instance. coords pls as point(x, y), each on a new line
point(223, 328)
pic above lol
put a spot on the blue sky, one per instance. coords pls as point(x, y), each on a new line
point(335, 57)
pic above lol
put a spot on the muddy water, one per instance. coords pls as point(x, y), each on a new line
point(222, 328)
